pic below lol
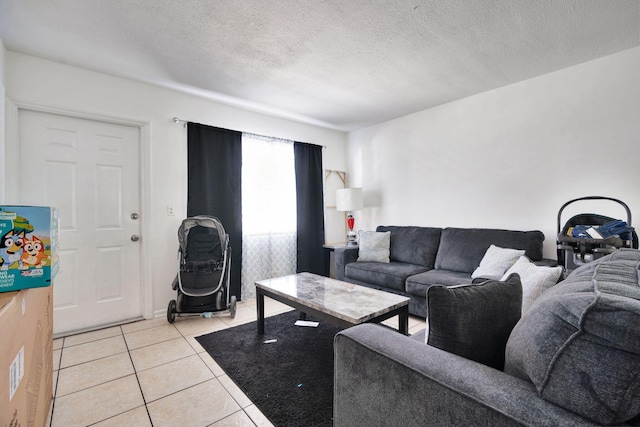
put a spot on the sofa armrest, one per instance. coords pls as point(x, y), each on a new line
point(383, 378)
point(342, 257)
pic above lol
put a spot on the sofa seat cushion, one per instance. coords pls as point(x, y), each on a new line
point(390, 275)
point(462, 249)
point(579, 343)
point(419, 283)
point(414, 245)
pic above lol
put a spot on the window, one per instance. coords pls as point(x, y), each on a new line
point(268, 210)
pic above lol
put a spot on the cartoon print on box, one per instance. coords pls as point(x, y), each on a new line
point(12, 243)
point(28, 256)
point(33, 253)
point(13, 240)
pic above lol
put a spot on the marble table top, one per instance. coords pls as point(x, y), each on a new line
point(353, 303)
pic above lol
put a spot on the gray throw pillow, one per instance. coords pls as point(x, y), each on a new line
point(474, 321)
point(373, 246)
point(579, 344)
point(535, 279)
point(496, 262)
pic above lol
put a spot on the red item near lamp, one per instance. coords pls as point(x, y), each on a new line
point(348, 200)
point(350, 221)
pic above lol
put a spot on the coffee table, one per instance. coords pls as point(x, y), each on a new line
point(341, 303)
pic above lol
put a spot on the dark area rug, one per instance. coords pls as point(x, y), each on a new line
point(290, 380)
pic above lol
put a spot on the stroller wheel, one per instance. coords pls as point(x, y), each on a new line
point(232, 306)
point(219, 302)
point(171, 311)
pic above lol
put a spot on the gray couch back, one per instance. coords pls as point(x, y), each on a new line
point(462, 249)
point(413, 245)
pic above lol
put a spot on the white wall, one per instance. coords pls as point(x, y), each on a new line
point(2, 55)
point(508, 158)
point(36, 81)
point(2, 126)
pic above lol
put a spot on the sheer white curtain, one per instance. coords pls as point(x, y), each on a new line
point(268, 210)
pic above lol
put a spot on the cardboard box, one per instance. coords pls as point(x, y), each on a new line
point(28, 247)
point(26, 357)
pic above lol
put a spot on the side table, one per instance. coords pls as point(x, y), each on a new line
point(331, 247)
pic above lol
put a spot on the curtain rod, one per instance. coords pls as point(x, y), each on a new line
point(177, 120)
point(184, 124)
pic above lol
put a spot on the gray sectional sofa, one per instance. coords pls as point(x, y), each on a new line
point(423, 256)
point(572, 359)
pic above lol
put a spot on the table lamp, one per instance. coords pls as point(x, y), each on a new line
point(349, 200)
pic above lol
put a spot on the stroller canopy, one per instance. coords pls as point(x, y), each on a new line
point(202, 221)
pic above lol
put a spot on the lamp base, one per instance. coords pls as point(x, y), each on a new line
point(352, 238)
point(351, 235)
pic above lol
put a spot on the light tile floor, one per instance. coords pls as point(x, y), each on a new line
point(152, 373)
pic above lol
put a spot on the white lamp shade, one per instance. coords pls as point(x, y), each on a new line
point(349, 199)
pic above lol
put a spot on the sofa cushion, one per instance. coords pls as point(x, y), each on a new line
point(373, 246)
point(579, 344)
point(419, 283)
point(414, 245)
point(534, 279)
point(474, 321)
point(496, 261)
point(462, 249)
point(390, 275)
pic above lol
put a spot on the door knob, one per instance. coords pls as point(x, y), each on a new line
point(135, 216)
point(135, 238)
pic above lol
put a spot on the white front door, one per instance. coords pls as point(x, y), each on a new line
point(90, 171)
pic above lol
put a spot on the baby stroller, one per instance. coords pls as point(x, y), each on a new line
point(204, 269)
point(587, 237)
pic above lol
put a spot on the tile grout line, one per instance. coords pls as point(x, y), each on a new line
point(193, 385)
point(121, 333)
point(127, 350)
point(135, 371)
point(242, 409)
point(211, 370)
point(114, 379)
point(55, 391)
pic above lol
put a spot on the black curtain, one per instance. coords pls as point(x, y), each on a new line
point(214, 185)
point(310, 211)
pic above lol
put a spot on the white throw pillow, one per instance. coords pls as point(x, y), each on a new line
point(496, 261)
point(535, 279)
point(374, 246)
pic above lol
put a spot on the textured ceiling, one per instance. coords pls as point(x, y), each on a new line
point(341, 63)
